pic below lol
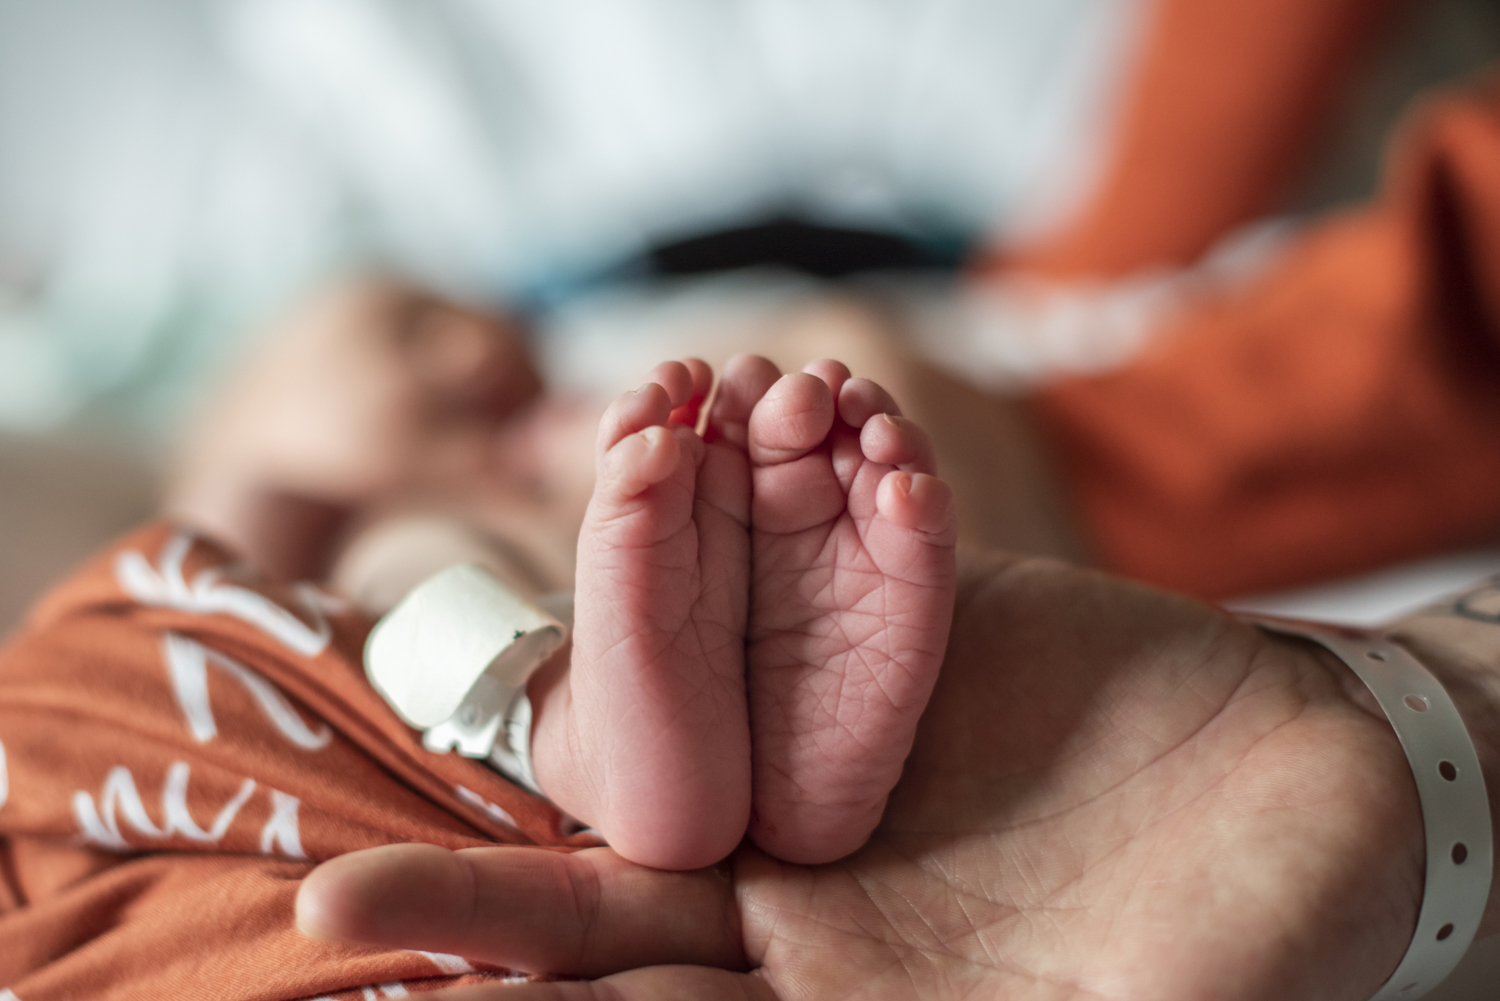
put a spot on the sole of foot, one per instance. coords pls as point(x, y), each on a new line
point(852, 590)
point(647, 738)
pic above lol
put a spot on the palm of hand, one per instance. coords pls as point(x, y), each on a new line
point(1165, 805)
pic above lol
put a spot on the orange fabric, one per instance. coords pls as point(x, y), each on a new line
point(179, 748)
point(1218, 117)
point(1343, 412)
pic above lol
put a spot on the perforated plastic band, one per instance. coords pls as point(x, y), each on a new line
point(1450, 787)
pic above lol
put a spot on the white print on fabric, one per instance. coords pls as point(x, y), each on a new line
point(187, 666)
point(167, 588)
point(391, 990)
point(100, 824)
point(4, 792)
point(472, 797)
point(446, 963)
point(282, 829)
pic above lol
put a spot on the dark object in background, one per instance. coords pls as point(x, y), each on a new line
point(829, 252)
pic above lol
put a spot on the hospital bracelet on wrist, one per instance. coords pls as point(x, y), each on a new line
point(1450, 788)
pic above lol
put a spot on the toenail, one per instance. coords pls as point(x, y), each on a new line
point(903, 484)
point(644, 386)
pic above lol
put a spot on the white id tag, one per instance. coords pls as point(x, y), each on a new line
point(454, 655)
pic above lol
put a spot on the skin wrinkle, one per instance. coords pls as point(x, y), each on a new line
point(819, 610)
point(828, 925)
point(584, 890)
point(892, 842)
point(1040, 894)
point(880, 678)
point(637, 507)
point(1126, 719)
point(764, 916)
point(1132, 892)
point(774, 936)
point(977, 930)
point(715, 508)
point(1137, 775)
point(471, 891)
point(1139, 884)
point(934, 935)
point(996, 963)
point(836, 699)
point(702, 692)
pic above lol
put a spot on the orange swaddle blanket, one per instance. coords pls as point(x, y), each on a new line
point(179, 746)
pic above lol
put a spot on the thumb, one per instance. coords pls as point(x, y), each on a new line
point(585, 914)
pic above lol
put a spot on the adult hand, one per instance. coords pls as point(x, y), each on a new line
point(367, 388)
point(1114, 793)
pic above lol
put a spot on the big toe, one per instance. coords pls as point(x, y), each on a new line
point(746, 380)
point(792, 418)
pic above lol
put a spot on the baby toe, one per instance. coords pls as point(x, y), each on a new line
point(638, 461)
point(678, 379)
point(832, 373)
point(702, 384)
point(632, 412)
point(792, 418)
point(918, 502)
point(861, 399)
point(896, 441)
point(747, 378)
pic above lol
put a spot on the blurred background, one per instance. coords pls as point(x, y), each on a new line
point(622, 178)
point(174, 174)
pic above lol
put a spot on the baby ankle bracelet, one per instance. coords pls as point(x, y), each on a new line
point(453, 658)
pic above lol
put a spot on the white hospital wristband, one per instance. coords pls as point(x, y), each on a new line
point(453, 658)
point(1450, 787)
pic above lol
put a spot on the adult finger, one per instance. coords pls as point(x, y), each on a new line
point(585, 914)
point(657, 983)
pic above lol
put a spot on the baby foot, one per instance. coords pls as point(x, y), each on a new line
point(652, 745)
point(852, 591)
